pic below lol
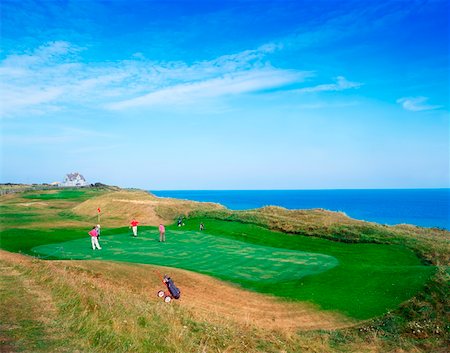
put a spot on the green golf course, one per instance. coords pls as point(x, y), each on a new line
point(359, 280)
point(372, 287)
point(201, 253)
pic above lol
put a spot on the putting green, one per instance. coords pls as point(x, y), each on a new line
point(222, 257)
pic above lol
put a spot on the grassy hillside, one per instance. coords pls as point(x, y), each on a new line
point(431, 244)
point(366, 279)
point(90, 306)
point(118, 208)
point(110, 307)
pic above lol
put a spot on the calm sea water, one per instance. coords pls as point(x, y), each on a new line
point(422, 207)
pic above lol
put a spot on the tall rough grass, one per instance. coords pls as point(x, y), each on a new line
point(100, 307)
point(422, 324)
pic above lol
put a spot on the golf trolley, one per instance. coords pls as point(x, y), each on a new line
point(172, 291)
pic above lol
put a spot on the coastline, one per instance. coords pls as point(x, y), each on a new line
point(427, 208)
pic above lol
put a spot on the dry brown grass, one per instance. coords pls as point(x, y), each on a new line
point(72, 296)
point(431, 244)
point(118, 208)
point(210, 299)
point(206, 298)
point(291, 220)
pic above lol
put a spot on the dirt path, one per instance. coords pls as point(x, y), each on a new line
point(211, 299)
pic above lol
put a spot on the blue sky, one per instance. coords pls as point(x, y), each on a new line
point(226, 94)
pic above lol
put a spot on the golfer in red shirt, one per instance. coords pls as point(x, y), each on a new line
point(133, 225)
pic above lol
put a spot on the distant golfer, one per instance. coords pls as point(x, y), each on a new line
point(180, 221)
point(94, 238)
point(202, 226)
point(162, 233)
point(97, 227)
point(133, 225)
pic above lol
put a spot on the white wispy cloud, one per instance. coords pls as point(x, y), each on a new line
point(16, 98)
point(41, 55)
point(54, 75)
point(340, 85)
point(230, 84)
point(416, 104)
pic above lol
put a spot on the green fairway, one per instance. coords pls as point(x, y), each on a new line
point(217, 256)
point(58, 194)
point(360, 280)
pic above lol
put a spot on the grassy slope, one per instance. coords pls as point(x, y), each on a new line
point(420, 323)
point(423, 321)
point(87, 306)
point(364, 279)
point(432, 245)
point(369, 280)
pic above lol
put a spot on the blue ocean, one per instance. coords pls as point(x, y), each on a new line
point(421, 207)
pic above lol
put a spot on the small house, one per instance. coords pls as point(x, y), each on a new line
point(74, 179)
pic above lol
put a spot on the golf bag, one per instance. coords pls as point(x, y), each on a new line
point(174, 291)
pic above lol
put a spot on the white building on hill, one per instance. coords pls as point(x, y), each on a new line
point(74, 179)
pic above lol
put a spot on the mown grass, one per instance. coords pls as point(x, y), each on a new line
point(43, 209)
point(80, 194)
point(369, 280)
point(420, 324)
point(432, 245)
point(200, 252)
point(24, 240)
point(365, 281)
point(14, 218)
